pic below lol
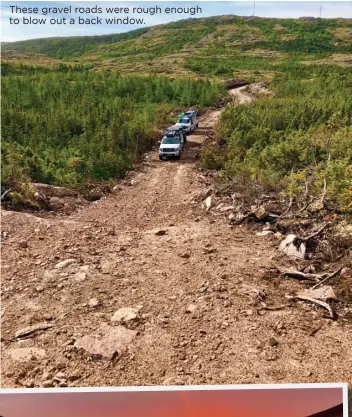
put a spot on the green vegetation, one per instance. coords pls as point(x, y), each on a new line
point(227, 38)
point(73, 126)
point(70, 47)
point(301, 136)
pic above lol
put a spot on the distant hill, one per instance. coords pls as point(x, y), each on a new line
point(207, 46)
point(60, 47)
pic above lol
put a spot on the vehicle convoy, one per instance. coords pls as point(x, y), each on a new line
point(188, 120)
point(173, 142)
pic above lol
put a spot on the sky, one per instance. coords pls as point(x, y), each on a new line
point(285, 9)
point(207, 403)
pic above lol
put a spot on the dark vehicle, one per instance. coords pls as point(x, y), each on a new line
point(177, 130)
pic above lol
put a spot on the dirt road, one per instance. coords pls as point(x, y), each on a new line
point(241, 96)
point(186, 280)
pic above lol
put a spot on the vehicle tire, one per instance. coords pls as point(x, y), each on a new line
point(161, 158)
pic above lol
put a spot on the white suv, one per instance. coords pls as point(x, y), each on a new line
point(170, 146)
point(189, 121)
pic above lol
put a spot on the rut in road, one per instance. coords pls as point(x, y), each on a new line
point(194, 285)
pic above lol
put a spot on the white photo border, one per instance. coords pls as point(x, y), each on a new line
point(165, 388)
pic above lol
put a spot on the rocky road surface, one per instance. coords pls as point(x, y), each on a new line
point(143, 287)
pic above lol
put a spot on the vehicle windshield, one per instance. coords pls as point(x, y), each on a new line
point(170, 140)
point(185, 121)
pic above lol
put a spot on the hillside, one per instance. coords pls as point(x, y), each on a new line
point(223, 46)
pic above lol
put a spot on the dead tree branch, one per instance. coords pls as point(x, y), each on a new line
point(332, 275)
point(315, 301)
point(313, 235)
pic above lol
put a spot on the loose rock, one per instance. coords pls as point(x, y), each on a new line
point(60, 375)
point(64, 264)
point(208, 203)
point(273, 342)
point(107, 266)
point(125, 315)
point(346, 272)
point(191, 308)
point(160, 232)
point(107, 341)
point(93, 302)
point(48, 384)
point(264, 233)
point(26, 354)
point(325, 292)
point(260, 213)
point(80, 276)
